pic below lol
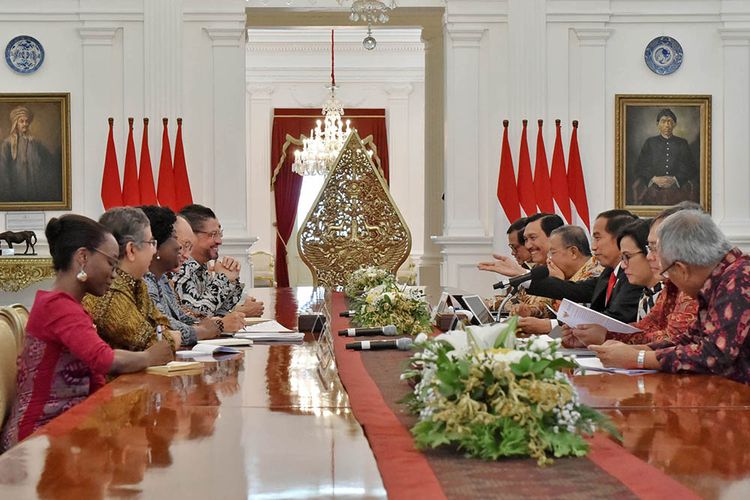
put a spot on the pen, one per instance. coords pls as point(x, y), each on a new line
point(158, 333)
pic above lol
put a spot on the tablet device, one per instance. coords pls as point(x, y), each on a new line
point(478, 308)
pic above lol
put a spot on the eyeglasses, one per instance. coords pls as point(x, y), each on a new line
point(153, 243)
point(664, 272)
point(112, 261)
point(625, 257)
point(213, 234)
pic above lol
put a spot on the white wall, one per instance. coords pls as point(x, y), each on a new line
point(567, 59)
point(290, 68)
point(154, 58)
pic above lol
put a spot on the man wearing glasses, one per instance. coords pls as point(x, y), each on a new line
point(696, 256)
point(207, 285)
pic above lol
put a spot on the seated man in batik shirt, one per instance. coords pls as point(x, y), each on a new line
point(206, 285)
point(697, 258)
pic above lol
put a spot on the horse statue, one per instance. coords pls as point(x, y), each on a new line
point(28, 237)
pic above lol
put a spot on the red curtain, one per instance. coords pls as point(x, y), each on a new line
point(289, 124)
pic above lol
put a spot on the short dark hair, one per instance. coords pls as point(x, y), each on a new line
point(574, 236)
point(162, 221)
point(518, 225)
point(666, 112)
point(197, 215)
point(615, 224)
point(638, 230)
point(534, 217)
point(70, 232)
point(549, 223)
point(683, 205)
point(616, 212)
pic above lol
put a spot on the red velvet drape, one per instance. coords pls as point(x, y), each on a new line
point(287, 185)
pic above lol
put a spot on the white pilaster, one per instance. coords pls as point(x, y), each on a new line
point(463, 193)
point(162, 59)
point(403, 184)
point(589, 84)
point(99, 77)
point(225, 184)
point(733, 208)
point(261, 206)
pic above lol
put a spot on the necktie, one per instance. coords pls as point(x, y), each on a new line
point(648, 299)
point(610, 286)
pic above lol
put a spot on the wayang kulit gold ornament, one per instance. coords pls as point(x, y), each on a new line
point(353, 222)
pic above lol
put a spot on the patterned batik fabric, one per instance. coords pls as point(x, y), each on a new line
point(671, 316)
point(206, 293)
point(63, 361)
point(717, 341)
point(164, 297)
point(591, 269)
point(125, 316)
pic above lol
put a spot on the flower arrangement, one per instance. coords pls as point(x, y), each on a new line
point(366, 278)
point(391, 304)
point(494, 396)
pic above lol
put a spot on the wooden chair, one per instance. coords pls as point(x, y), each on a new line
point(18, 315)
point(263, 272)
point(8, 354)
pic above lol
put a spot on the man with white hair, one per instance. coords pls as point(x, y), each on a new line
point(27, 172)
point(696, 256)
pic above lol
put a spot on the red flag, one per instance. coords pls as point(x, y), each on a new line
point(181, 181)
point(130, 193)
point(146, 174)
point(507, 192)
point(526, 195)
point(542, 187)
point(558, 177)
point(165, 190)
point(576, 185)
point(111, 192)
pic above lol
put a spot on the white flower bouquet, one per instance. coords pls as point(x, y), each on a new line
point(391, 304)
point(364, 279)
point(492, 395)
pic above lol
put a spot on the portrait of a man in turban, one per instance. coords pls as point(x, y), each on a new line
point(29, 172)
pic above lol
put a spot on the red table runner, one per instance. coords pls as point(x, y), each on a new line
point(372, 382)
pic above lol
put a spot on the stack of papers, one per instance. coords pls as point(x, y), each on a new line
point(595, 365)
point(177, 368)
point(255, 321)
point(269, 331)
point(214, 346)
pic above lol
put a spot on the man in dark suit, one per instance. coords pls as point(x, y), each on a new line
point(609, 293)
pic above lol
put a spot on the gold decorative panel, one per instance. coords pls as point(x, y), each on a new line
point(353, 222)
point(19, 272)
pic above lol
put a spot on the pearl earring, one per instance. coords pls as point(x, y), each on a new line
point(82, 276)
point(158, 257)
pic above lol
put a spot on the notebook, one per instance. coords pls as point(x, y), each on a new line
point(176, 368)
point(255, 321)
point(223, 346)
point(595, 365)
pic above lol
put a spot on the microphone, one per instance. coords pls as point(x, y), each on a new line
point(364, 332)
point(539, 272)
point(402, 344)
point(346, 314)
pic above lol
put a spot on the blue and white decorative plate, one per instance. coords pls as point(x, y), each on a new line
point(24, 54)
point(663, 55)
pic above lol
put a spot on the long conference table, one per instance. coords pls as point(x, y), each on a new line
point(268, 423)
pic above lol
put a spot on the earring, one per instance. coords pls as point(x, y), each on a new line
point(82, 276)
point(158, 257)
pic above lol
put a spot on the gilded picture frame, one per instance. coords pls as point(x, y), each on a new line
point(658, 163)
point(35, 152)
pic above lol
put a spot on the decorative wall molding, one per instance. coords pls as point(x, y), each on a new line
point(321, 74)
point(735, 37)
point(226, 37)
point(97, 36)
point(325, 48)
point(593, 37)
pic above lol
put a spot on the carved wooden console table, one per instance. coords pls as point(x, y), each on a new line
point(17, 272)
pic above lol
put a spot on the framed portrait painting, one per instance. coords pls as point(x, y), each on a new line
point(35, 152)
point(662, 151)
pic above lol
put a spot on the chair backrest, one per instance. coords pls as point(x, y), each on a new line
point(17, 318)
point(263, 272)
point(8, 354)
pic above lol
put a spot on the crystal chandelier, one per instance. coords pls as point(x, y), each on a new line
point(371, 11)
point(321, 149)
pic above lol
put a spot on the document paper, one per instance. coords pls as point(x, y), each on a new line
point(575, 315)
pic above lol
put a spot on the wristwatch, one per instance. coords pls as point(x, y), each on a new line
point(641, 359)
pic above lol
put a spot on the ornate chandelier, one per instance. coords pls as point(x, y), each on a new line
point(371, 11)
point(321, 149)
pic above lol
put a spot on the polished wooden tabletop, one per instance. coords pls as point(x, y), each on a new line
point(264, 423)
point(267, 423)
